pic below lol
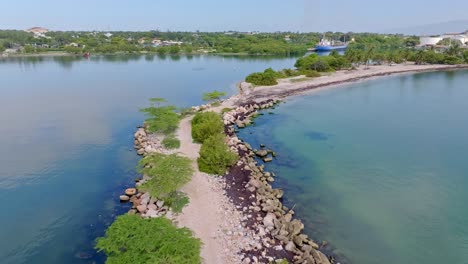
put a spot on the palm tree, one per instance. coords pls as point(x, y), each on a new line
point(368, 55)
point(419, 57)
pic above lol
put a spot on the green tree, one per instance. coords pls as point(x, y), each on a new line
point(158, 101)
point(369, 55)
point(167, 173)
point(132, 239)
point(215, 155)
point(174, 49)
point(161, 119)
point(205, 125)
point(213, 96)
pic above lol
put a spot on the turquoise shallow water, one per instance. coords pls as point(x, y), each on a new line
point(378, 168)
point(66, 135)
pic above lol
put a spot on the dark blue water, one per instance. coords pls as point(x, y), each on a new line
point(379, 169)
point(66, 127)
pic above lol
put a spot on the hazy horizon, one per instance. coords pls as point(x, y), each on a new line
point(242, 15)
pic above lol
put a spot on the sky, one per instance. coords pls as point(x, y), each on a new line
point(239, 15)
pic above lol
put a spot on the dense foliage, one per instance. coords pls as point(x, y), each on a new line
point(171, 142)
point(132, 239)
point(215, 155)
point(205, 125)
point(322, 63)
point(167, 173)
point(176, 201)
point(255, 43)
point(266, 78)
point(161, 119)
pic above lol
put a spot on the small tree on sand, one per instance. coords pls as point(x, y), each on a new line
point(214, 96)
point(157, 100)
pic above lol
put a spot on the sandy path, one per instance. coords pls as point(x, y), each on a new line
point(204, 212)
point(287, 88)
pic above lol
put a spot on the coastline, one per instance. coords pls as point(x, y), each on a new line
point(239, 217)
point(285, 88)
point(66, 54)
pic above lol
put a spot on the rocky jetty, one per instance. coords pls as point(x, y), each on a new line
point(146, 143)
point(274, 224)
point(142, 203)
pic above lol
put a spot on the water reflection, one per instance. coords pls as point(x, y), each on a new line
point(66, 126)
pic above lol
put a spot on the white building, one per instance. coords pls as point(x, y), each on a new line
point(433, 40)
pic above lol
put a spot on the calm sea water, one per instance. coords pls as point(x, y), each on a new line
point(66, 127)
point(379, 169)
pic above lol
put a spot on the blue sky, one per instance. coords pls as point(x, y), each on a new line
point(242, 15)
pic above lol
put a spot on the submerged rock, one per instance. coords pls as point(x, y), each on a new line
point(261, 153)
point(124, 198)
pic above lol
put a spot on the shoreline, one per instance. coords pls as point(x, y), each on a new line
point(285, 88)
point(66, 54)
point(239, 217)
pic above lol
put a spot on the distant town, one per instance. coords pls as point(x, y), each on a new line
point(39, 40)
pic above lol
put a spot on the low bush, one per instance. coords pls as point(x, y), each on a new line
point(171, 142)
point(167, 173)
point(176, 201)
point(215, 155)
point(267, 78)
point(132, 239)
point(206, 124)
point(161, 119)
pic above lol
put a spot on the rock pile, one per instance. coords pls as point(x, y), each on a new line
point(148, 207)
point(146, 142)
point(200, 108)
point(273, 223)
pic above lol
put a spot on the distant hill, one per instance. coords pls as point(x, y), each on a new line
point(432, 29)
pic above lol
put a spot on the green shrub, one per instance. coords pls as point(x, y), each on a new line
point(132, 239)
point(167, 173)
point(171, 142)
point(205, 125)
point(268, 77)
point(176, 201)
point(213, 96)
point(290, 73)
point(215, 104)
point(215, 155)
point(161, 119)
point(225, 110)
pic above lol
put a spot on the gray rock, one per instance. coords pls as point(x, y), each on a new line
point(268, 159)
point(268, 221)
point(141, 208)
point(261, 153)
point(145, 195)
point(290, 246)
point(124, 198)
point(132, 211)
point(160, 203)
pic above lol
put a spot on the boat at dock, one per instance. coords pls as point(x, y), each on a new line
point(329, 45)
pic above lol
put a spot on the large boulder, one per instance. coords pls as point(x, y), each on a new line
point(290, 246)
point(141, 208)
point(261, 153)
point(268, 221)
point(130, 191)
